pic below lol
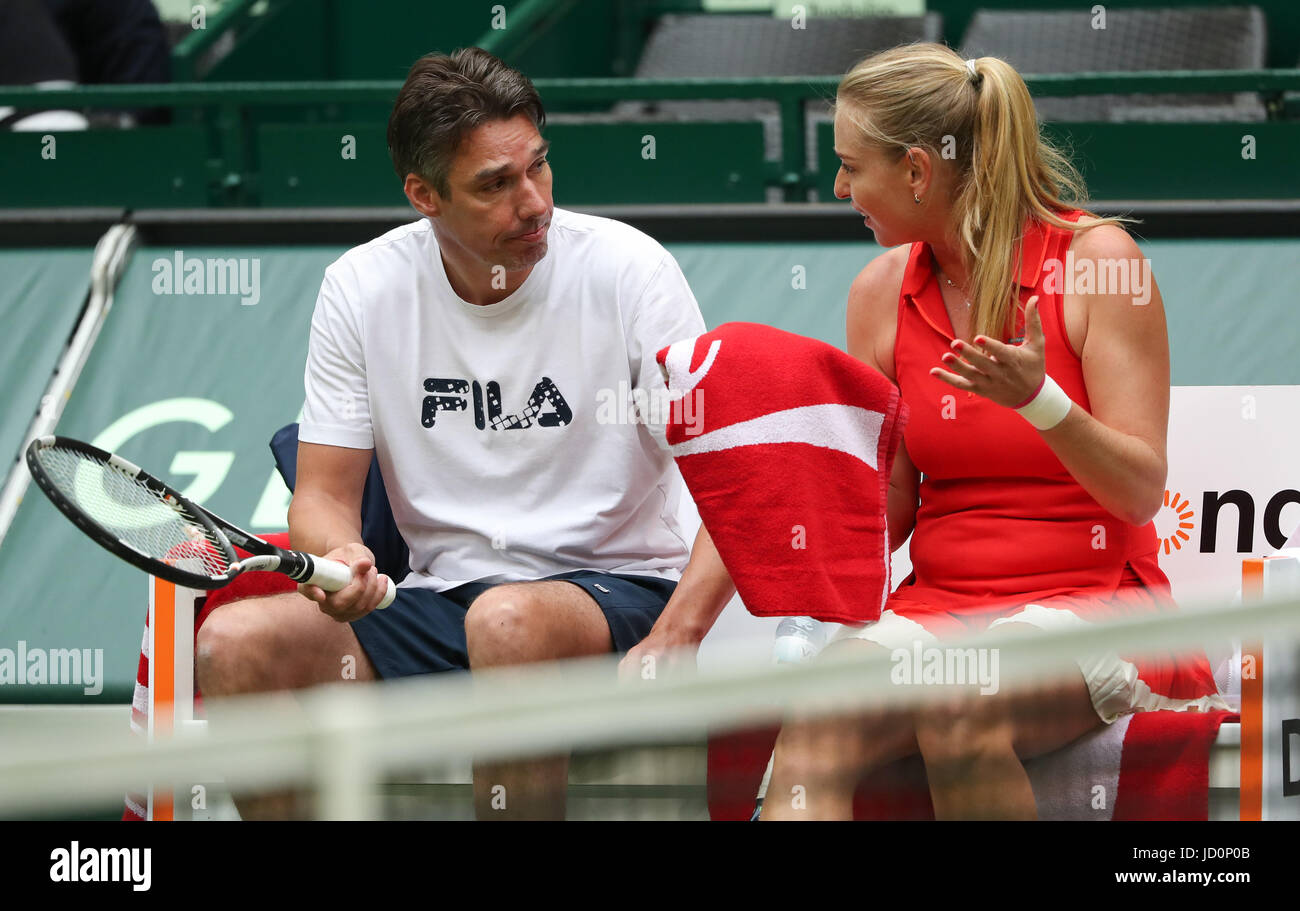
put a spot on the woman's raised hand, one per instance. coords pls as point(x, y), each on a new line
point(1009, 375)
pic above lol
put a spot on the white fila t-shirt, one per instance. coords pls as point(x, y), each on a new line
point(504, 432)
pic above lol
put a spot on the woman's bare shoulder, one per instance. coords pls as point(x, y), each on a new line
point(1108, 241)
point(872, 309)
point(885, 269)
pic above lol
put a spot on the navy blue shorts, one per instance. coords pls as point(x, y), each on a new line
point(423, 631)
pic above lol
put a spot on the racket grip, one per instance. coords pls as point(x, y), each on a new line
point(332, 576)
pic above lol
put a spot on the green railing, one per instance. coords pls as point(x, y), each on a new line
point(229, 114)
point(562, 91)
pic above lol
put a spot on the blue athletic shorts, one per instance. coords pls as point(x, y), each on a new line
point(423, 631)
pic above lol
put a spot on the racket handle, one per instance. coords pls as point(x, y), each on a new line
point(332, 576)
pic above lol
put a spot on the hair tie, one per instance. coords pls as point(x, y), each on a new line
point(970, 67)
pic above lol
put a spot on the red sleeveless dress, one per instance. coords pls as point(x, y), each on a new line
point(1002, 524)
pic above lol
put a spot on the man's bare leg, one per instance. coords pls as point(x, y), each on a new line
point(522, 623)
point(281, 642)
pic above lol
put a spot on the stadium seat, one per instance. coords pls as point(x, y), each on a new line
point(741, 46)
point(759, 46)
point(1197, 38)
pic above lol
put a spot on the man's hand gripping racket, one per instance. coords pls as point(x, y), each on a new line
point(150, 525)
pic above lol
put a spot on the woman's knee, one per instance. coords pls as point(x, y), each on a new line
point(965, 730)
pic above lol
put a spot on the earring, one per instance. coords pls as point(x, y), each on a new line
point(917, 198)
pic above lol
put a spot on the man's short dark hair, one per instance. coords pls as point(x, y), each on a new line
point(444, 98)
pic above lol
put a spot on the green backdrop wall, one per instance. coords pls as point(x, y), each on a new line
point(1226, 301)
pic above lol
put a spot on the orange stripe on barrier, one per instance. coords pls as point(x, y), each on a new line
point(1252, 702)
point(163, 663)
point(163, 810)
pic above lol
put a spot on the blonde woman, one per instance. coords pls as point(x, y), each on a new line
point(1034, 459)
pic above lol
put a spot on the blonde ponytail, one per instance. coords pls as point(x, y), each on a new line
point(925, 95)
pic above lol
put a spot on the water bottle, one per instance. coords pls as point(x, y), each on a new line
point(798, 639)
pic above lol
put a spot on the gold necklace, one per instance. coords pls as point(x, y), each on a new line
point(953, 284)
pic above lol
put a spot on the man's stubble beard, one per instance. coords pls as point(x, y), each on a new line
point(528, 260)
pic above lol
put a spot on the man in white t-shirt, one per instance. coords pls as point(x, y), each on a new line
point(488, 355)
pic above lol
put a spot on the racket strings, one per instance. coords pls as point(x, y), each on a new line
point(133, 513)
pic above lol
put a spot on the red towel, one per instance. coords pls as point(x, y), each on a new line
point(1165, 770)
point(786, 444)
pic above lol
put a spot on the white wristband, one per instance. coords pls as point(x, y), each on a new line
point(1048, 407)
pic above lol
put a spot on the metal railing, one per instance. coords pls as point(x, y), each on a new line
point(345, 738)
point(225, 107)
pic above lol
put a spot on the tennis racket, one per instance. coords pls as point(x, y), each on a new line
point(150, 525)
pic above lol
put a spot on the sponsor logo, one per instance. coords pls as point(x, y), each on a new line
point(1175, 521)
point(451, 394)
point(1217, 505)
